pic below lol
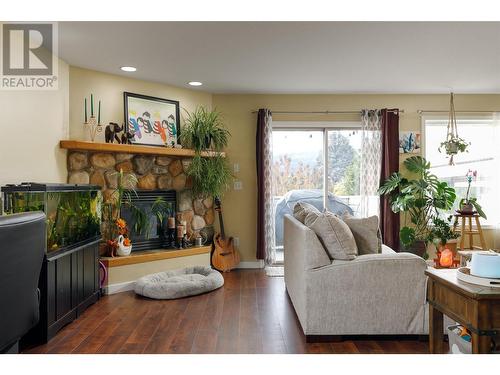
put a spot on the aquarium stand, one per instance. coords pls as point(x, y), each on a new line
point(69, 284)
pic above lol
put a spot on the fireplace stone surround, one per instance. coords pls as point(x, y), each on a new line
point(152, 172)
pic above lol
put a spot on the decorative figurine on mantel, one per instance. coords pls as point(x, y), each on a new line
point(111, 132)
point(91, 123)
point(127, 137)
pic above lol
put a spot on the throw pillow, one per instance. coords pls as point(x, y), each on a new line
point(301, 209)
point(366, 233)
point(334, 235)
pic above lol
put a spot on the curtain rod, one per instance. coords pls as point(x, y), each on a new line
point(326, 112)
point(420, 111)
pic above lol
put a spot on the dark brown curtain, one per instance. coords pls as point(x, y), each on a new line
point(261, 149)
point(389, 221)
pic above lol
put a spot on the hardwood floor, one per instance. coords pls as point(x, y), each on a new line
point(252, 313)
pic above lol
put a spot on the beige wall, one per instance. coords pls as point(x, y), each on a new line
point(109, 89)
point(31, 125)
point(240, 206)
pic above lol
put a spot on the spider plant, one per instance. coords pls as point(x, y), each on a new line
point(203, 129)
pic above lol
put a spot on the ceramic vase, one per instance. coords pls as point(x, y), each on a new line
point(122, 250)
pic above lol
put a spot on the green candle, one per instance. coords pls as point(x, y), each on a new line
point(85, 110)
point(91, 105)
point(99, 113)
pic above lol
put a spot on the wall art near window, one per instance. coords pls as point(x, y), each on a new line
point(153, 121)
point(409, 142)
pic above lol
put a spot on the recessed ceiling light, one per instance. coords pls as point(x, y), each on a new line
point(195, 83)
point(128, 68)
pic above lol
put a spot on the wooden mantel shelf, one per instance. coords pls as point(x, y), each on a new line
point(152, 255)
point(133, 149)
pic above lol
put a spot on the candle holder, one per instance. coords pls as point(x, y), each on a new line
point(185, 242)
point(93, 127)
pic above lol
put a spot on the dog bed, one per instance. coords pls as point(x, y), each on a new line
point(179, 283)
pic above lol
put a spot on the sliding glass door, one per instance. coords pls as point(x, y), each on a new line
point(318, 165)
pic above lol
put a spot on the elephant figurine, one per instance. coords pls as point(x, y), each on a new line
point(111, 132)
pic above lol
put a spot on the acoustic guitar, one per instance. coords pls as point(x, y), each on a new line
point(224, 256)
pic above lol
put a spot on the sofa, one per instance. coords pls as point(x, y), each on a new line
point(373, 294)
point(22, 248)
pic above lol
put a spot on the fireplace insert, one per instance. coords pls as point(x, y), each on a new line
point(151, 237)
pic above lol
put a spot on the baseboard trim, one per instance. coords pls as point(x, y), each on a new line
point(119, 288)
point(252, 264)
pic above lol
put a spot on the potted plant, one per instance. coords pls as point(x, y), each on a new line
point(453, 146)
point(443, 237)
point(116, 234)
point(419, 199)
point(468, 205)
point(204, 131)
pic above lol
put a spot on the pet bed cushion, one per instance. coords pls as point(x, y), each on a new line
point(179, 283)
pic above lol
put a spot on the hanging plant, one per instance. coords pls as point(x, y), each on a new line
point(453, 144)
point(204, 130)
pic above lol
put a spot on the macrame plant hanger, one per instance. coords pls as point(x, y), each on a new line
point(452, 131)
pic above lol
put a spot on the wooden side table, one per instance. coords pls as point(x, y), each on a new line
point(475, 307)
point(466, 229)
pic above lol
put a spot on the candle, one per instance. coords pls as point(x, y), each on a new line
point(91, 105)
point(171, 223)
point(99, 113)
point(180, 231)
point(85, 110)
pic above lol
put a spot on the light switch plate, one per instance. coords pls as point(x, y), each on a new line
point(238, 185)
point(236, 167)
point(236, 241)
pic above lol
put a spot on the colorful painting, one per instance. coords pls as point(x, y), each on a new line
point(153, 121)
point(409, 142)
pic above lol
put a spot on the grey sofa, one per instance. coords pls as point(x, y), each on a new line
point(374, 294)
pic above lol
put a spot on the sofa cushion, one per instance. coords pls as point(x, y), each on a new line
point(366, 233)
point(301, 209)
point(334, 234)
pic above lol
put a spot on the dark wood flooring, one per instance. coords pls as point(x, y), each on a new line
point(252, 313)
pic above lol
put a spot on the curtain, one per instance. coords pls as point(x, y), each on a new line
point(389, 221)
point(265, 208)
point(371, 158)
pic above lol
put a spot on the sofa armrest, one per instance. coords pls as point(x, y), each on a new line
point(387, 288)
point(302, 252)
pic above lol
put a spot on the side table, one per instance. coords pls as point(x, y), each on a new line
point(475, 307)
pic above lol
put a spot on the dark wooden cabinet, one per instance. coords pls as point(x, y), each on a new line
point(69, 283)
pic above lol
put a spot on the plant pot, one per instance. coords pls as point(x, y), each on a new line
point(207, 142)
point(452, 149)
point(467, 209)
point(418, 248)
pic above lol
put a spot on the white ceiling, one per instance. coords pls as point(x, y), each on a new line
point(294, 57)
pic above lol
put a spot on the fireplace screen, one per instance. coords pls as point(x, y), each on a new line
point(151, 237)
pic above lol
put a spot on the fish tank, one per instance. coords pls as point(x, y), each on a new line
point(73, 211)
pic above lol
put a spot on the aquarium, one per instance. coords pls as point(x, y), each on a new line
point(73, 211)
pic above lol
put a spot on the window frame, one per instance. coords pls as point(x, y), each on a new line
point(425, 117)
point(325, 126)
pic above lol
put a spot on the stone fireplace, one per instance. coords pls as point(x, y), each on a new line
point(153, 172)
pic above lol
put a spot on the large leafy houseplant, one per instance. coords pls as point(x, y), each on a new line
point(204, 131)
point(419, 198)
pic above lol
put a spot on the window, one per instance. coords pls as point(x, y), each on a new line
point(483, 156)
point(316, 164)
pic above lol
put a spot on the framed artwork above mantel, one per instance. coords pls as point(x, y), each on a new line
point(154, 121)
